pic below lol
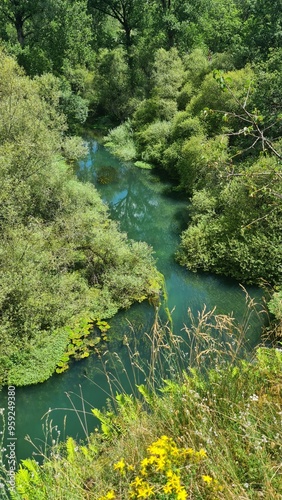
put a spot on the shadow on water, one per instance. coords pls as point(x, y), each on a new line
point(147, 209)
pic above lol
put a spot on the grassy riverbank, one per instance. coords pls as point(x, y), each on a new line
point(201, 433)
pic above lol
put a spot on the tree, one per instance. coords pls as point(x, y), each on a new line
point(261, 27)
point(178, 20)
point(22, 14)
point(113, 84)
point(67, 35)
point(220, 24)
point(62, 261)
point(52, 34)
point(236, 213)
point(128, 14)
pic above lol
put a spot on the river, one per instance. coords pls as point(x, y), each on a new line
point(148, 209)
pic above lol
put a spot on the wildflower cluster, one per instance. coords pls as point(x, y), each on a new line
point(120, 466)
point(163, 472)
point(163, 467)
point(160, 473)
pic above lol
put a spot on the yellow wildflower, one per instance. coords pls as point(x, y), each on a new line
point(199, 455)
point(207, 479)
point(160, 464)
point(145, 491)
point(213, 484)
point(120, 466)
point(175, 452)
point(137, 481)
point(157, 450)
point(141, 493)
point(181, 495)
point(202, 453)
point(188, 452)
point(110, 495)
point(174, 479)
point(167, 488)
point(160, 446)
point(144, 464)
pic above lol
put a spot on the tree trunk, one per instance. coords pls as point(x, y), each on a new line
point(19, 22)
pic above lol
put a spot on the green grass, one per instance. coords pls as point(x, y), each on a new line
point(211, 430)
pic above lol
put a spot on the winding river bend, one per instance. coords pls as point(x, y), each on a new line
point(148, 209)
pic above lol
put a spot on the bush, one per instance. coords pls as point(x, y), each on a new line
point(120, 142)
point(152, 141)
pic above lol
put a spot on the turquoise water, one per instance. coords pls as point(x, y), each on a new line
point(147, 209)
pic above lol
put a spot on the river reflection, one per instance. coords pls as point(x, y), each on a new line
point(149, 210)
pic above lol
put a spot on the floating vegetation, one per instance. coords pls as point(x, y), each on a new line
point(84, 338)
point(107, 175)
point(143, 164)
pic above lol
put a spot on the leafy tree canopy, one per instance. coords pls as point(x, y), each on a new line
point(61, 258)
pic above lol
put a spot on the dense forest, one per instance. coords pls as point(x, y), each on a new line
point(193, 90)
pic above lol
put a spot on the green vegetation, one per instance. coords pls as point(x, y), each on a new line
point(201, 433)
point(211, 139)
point(193, 89)
point(62, 260)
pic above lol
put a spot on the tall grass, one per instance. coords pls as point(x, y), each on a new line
point(202, 419)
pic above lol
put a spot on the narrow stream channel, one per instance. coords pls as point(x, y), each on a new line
point(149, 210)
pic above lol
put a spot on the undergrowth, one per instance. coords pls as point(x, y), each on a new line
point(205, 423)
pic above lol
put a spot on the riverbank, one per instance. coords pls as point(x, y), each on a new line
point(202, 434)
point(147, 209)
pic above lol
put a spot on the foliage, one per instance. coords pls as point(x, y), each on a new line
point(61, 258)
point(143, 164)
point(261, 29)
point(275, 305)
point(85, 336)
point(204, 433)
point(221, 25)
point(152, 141)
point(112, 84)
point(241, 237)
point(168, 73)
point(120, 142)
point(195, 89)
point(52, 35)
point(202, 125)
point(161, 472)
point(236, 233)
